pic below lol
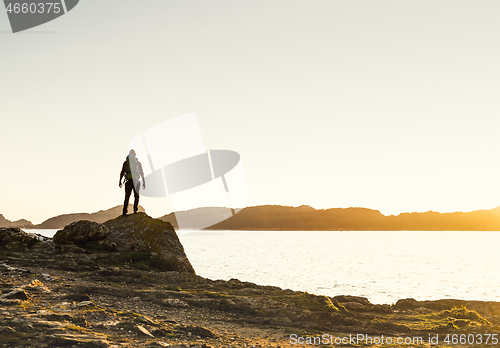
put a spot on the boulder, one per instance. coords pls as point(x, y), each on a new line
point(356, 299)
point(80, 232)
point(16, 294)
point(16, 239)
point(198, 331)
point(407, 304)
point(354, 306)
point(141, 233)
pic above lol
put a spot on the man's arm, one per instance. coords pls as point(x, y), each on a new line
point(141, 172)
point(122, 173)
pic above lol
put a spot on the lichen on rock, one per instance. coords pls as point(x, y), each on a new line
point(137, 241)
point(82, 231)
point(16, 239)
point(141, 233)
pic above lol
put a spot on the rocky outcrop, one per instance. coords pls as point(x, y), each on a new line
point(135, 241)
point(80, 232)
point(141, 233)
point(71, 293)
point(138, 239)
point(407, 304)
point(54, 297)
point(16, 239)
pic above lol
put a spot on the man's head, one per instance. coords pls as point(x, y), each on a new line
point(132, 153)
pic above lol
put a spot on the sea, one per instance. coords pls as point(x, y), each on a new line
point(383, 266)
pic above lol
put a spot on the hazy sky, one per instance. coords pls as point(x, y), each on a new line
point(390, 105)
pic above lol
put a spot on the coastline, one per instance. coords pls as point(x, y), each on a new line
point(52, 298)
point(67, 303)
point(362, 266)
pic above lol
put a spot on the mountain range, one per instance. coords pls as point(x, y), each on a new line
point(58, 222)
point(19, 223)
point(303, 218)
point(306, 218)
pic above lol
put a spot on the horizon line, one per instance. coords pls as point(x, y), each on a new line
point(263, 205)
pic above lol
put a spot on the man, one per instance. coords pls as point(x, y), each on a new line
point(131, 170)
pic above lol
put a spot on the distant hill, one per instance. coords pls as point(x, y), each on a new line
point(195, 218)
point(19, 223)
point(58, 222)
point(305, 218)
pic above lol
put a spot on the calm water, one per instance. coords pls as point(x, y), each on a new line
point(382, 266)
point(47, 233)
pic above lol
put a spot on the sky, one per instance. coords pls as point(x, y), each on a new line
point(388, 105)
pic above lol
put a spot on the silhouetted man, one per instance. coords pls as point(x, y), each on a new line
point(132, 171)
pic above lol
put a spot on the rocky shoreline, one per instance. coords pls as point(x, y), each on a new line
point(127, 283)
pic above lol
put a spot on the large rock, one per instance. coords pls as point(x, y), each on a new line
point(407, 304)
point(140, 232)
point(80, 232)
point(16, 239)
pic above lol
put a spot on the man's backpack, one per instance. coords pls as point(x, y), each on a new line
point(132, 168)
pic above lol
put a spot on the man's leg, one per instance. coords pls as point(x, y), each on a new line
point(129, 185)
point(137, 186)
